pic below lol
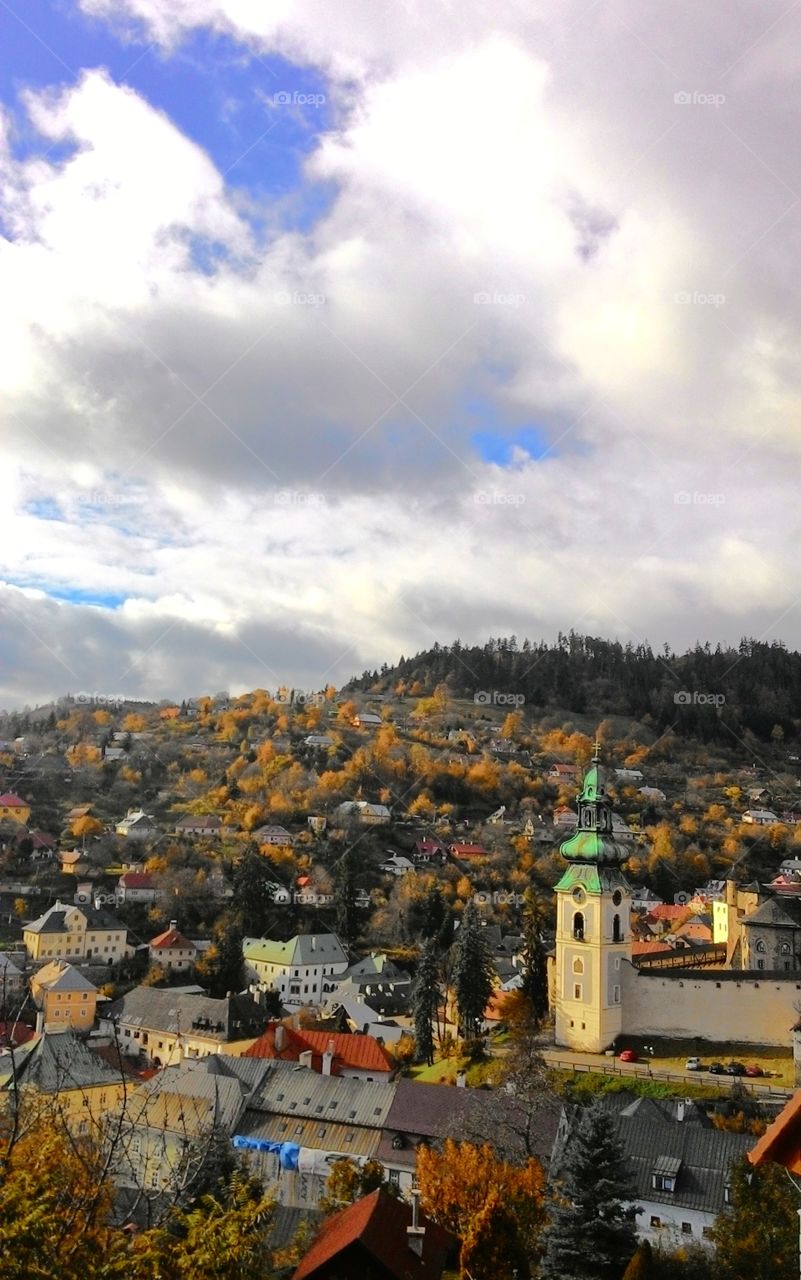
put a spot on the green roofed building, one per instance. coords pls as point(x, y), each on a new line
point(304, 970)
point(593, 935)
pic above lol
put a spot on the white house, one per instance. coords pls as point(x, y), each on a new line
point(370, 815)
point(760, 817)
point(137, 886)
point(367, 720)
point(204, 824)
point(321, 740)
point(136, 825)
point(397, 865)
point(629, 775)
point(303, 970)
point(273, 835)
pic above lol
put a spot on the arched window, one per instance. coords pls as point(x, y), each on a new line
point(578, 926)
point(760, 946)
point(785, 948)
point(578, 966)
point(617, 933)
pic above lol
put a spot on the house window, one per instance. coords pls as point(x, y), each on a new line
point(576, 990)
point(656, 1222)
point(578, 926)
point(727, 1194)
point(785, 949)
point(154, 1179)
point(760, 946)
point(760, 964)
point(394, 1177)
point(663, 1182)
point(687, 1228)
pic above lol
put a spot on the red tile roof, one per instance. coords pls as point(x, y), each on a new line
point(137, 880)
point(667, 911)
point(378, 1223)
point(357, 1051)
point(16, 1033)
point(10, 801)
point(781, 1141)
point(469, 851)
point(172, 938)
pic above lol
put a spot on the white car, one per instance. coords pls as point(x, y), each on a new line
point(693, 1064)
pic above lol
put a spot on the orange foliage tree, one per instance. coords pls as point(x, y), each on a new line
point(456, 1183)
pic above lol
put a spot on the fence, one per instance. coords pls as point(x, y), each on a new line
point(646, 1072)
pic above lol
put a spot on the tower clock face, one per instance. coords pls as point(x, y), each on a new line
point(579, 895)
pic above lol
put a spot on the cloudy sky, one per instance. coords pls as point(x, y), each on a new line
point(329, 330)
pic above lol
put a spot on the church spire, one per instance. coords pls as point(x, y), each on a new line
point(594, 839)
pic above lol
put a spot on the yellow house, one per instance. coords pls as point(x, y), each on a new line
point(67, 932)
point(65, 997)
point(12, 807)
point(57, 1070)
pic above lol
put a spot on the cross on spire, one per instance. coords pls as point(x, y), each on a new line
point(596, 751)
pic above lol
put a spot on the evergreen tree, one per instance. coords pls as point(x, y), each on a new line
point(346, 920)
point(591, 1233)
point(435, 912)
point(223, 966)
point(535, 963)
point(424, 1002)
point(473, 973)
point(253, 893)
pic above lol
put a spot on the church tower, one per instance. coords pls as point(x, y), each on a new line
point(593, 906)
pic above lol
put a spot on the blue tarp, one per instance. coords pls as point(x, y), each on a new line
point(287, 1152)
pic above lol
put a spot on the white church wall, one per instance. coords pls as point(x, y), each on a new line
point(716, 1005)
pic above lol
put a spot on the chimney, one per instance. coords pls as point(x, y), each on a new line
point(328, 1058)
point(415, 1232)
point(461, 1080)
point(40, 1022)
point(305, 1058)
point(680, 1110)
point(313, 943)
point(279, 1037)
point(173, 924)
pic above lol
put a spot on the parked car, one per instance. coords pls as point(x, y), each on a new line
point(628, 1055)
point(693, 1064)
point(753, 1070)
point(716, 1069)
point(735, 1069)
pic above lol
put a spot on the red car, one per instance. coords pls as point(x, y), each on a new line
point(753, 1070)
point(628, 1055)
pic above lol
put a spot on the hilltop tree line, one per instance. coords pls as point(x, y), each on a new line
point(760, 683)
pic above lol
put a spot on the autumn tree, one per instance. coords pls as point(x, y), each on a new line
point(591, 1234)
point(757, 1235)
point(222, 967)
point(349, 1181)
point(456, 1183)
point(492, 1245)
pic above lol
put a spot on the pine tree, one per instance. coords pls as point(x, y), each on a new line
point(535, 963)
point(473, 974)
point(346, 920)
point(591, 1233)
point(424, 1002)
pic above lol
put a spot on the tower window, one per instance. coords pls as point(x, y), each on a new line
point(578, 926)
point(617, 934)
point(576, 990)
point(616, 995)
point(617, 897)
point(578, 966)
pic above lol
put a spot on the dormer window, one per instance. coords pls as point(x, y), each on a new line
point(665, 1173)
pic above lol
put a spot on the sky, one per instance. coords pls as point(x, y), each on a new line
point(329, 331)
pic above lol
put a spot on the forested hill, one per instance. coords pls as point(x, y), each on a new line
point(712, 694)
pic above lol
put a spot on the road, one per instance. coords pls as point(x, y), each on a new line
point(611, 1066)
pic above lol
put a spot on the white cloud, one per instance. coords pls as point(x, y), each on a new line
point(287, 436)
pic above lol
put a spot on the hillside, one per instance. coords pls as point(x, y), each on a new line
point(720, 694)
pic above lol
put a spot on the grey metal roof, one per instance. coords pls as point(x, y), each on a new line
point(53, 920)
point(58, 1061)
point(318, 1135)
point(785, 912)
point(301, 1092)
point(701, 1156)
point(233, 1018)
